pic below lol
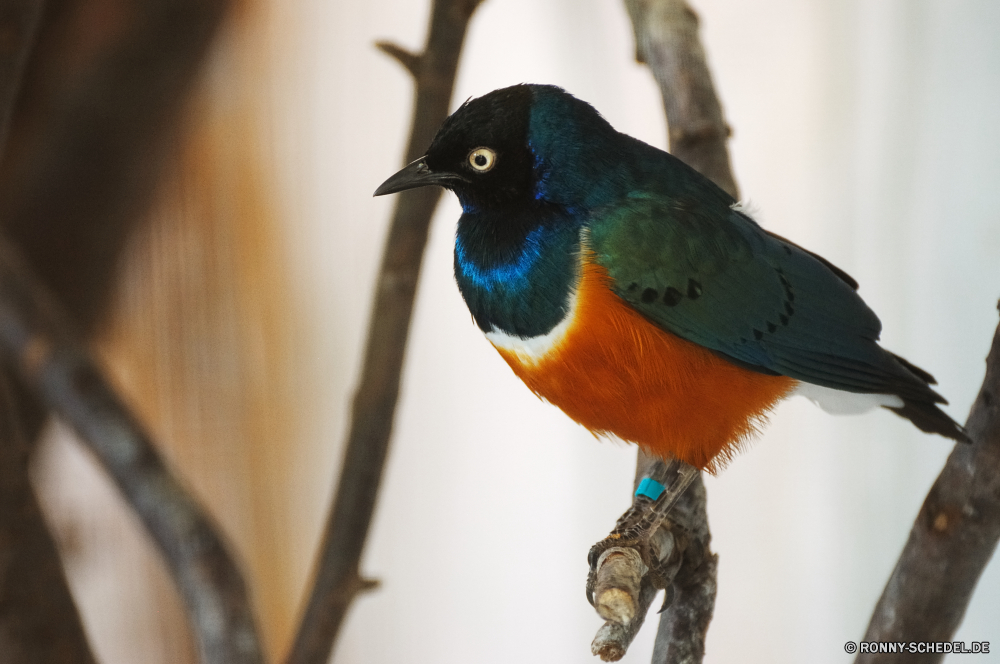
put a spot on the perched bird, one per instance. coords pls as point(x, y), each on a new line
point(633, 293)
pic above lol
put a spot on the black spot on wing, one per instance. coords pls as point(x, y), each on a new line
point(672, 297)
point(648, 295)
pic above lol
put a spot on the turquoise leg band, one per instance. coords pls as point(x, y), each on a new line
point(650, 488)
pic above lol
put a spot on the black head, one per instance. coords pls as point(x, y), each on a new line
point(481, 152)
point(518, 145)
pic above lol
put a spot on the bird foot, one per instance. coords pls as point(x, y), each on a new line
point(654, 565)
point(638, 530)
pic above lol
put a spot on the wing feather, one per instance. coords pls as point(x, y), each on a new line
point(714, 277)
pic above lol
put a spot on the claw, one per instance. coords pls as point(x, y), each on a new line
point(614, 539)
point(669, 594)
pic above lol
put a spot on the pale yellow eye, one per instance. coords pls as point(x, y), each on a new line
point(482, 159)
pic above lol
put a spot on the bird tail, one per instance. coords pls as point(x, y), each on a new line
point(927, 417)
point(925, 414)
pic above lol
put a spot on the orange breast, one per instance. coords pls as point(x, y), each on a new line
point(615, 372)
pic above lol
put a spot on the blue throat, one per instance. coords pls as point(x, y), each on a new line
point(510, 276)
point(515, 270)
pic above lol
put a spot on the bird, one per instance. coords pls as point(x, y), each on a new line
point(645, 302)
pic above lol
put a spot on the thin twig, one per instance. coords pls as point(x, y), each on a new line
point(952, 539)
point(409, 60)
point(337, 578)
point(36, 337)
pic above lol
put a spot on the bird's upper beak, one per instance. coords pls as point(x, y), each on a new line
point(416, 174)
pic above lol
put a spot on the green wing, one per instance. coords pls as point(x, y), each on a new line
point(714, 277)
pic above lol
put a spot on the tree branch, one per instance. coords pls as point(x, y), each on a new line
point(614, 637)
point(410, 61)
point(680, 637)
point(38, 618)
point(35, 336)
point(666, 37)
point(18, 24)
point(953, 538)
point(625, 588)
point(666, 34)
point(85, 153)
point(93, 125)
point(337, 577)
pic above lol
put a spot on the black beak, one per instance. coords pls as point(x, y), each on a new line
point(417, 174)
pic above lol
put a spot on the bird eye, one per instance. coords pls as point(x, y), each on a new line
point(482, 159)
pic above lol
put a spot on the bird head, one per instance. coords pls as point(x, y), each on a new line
point(512, 147)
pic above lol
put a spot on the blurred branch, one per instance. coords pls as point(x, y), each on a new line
point(35, 335)
point(337, 578)
point(99, 107)
point(38, 618)
point(18, 23)
point(666, 35)
point(952, 539)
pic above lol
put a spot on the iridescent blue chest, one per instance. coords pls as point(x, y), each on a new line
point(516, 271)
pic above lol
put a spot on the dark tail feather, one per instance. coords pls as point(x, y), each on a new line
point(929, 418)
point(924, 413)
point(915, 370)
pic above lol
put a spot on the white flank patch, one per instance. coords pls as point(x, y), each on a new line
point(532, 349)
point(837, 402)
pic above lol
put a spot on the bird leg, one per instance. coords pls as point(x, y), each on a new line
point(638, 548)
